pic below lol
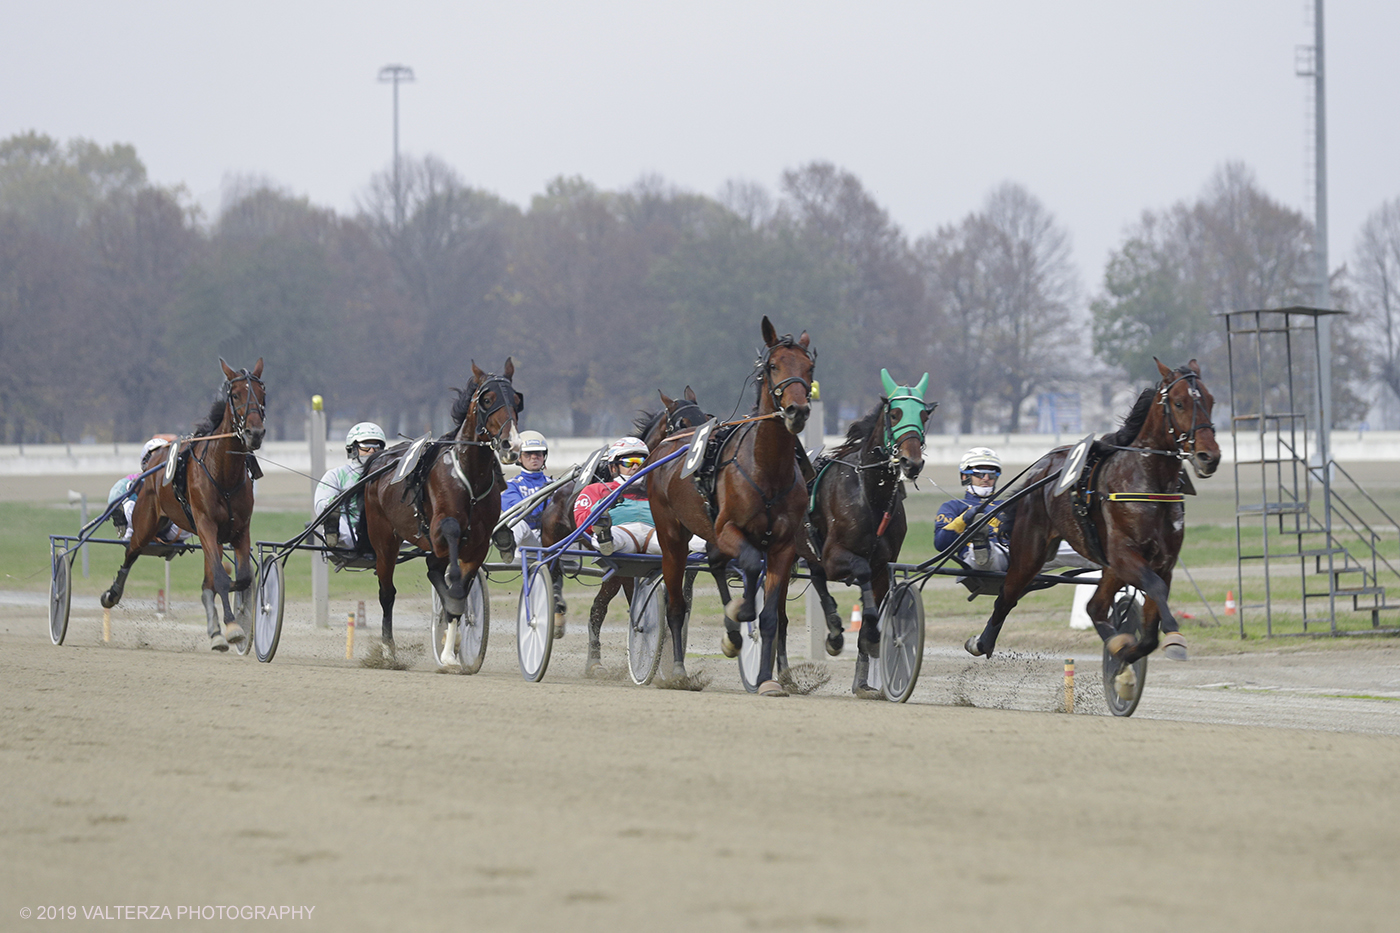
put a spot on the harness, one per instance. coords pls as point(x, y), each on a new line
point(180, 481)
point(706, 476)
point(1083, 494)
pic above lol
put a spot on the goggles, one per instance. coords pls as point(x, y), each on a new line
point(985, 474)
point(630, 461)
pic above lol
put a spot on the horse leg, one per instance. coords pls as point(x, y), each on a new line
point(674, 550)
point(1024, 564)
point(1154, 612)
point(596, 614)
point(145, 519)
point(779, 565)
point(450, 534)
point(835, 632)
point(561, 608)
point(869, 639)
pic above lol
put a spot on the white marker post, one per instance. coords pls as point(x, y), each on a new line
point(812, 441)
point(320, 572)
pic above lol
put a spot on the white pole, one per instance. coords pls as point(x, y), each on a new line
point(816, 619)
point(320, 573)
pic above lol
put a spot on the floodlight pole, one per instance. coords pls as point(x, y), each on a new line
point(393, 74)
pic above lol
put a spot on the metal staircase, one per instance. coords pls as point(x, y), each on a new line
point(1288, 510)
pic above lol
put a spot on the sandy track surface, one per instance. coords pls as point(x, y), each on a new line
point(1250, 792)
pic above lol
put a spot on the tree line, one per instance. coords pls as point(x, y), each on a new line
point(117, 297)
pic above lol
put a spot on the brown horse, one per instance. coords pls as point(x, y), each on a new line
point(1135, 513)
point(857, 513)
point(457, 500)
point(759, 500)
point(217, 502)
point(557, 520)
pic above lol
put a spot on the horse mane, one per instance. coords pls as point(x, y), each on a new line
point(859, 431)
point(1132, 425)
point(646, 421)
point(210, 424)
point(461, 407)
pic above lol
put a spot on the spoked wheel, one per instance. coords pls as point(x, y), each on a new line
point(751, 646)
point(901, 642)
point(646, 629)
point(60, 596)
point(267, 610)
point(244, 602)
point(472, 628)
point(1122, 683)
point(534, 624)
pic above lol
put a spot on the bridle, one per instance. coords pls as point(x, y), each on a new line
point(250, 403)
point(504, 390)
point(1180, 438)
point(764, 367)
point(682, 417)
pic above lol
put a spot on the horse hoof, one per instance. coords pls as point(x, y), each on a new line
point(728, 646)
point(108, 600)
point(1118, 644)
point(834, 644)
point(771, 688)
point(867, 692)
point(558, 625)
point(1125, 683)
point(234, 633)
point(594, 665)
point(1174, 646)
point(974, 648)
point(218, 642)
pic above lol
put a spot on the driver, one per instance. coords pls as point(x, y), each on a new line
point(979, 470)
point(361, 442)
point(127, 487)
point(632, 531)
point(534, 450)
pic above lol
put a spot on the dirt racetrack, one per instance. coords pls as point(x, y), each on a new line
point(1251, 792)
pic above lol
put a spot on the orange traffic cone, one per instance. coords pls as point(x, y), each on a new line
point(855, 617)
point(1229, 602)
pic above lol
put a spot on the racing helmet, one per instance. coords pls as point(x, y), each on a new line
point(978, 460)
point(366, 432)
point(156, 443)
point(626, 447)
point(533, 442)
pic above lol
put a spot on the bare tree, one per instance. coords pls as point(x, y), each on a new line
point(1006, 286)
point(1377, 288)
point(1034, 286)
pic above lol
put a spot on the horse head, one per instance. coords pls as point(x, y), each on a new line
point(1186, 409)
point(785, 369)
point(904, 426)
point(495, 411)
point(681, 413)
point(246, 398)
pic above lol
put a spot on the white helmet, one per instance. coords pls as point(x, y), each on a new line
point(533, 442)
point(156, 443)
point(366, 432)
point(626, 447)
point(980, 460)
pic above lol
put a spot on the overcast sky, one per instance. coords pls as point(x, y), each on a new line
point(1101, 108)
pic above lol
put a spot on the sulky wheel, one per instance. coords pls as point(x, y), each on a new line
point(60, 596)
point(534, 624)
point(267, 610)
point(751, 645)
point(646, 628)
point(1122, 683)
point(472, 628)
point(901, 642)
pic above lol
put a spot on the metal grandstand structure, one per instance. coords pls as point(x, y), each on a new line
point(1289, 511)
